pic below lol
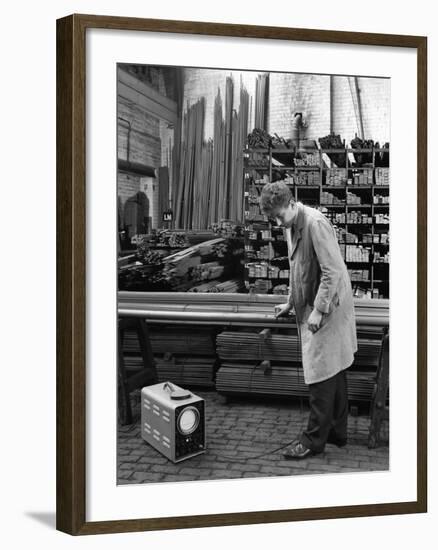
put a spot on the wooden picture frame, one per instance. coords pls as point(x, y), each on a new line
point(71, 273)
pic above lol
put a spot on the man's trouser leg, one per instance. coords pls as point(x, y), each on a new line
point(338, 431)
point(328, 411)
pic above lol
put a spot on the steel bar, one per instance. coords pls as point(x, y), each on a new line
point(368, 312)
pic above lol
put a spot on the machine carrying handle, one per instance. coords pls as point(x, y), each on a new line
point(176, 393)
point(168, 386)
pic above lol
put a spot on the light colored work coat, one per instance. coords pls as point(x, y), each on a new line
point(319, 278)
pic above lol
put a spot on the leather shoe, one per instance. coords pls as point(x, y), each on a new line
point(298, 452)
point(337, 442)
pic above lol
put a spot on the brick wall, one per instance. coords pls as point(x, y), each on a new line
point(290, 93)
point(375, 101)
point(149, 137)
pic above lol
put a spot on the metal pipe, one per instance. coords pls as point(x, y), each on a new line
point(136, 168)
point(355, 95)
point(223, 318)
point(332, 100)
point(297, 123)
point(156, 297)
point(201, 316)
point(359, 105)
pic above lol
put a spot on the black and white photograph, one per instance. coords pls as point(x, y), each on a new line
point(253, 273)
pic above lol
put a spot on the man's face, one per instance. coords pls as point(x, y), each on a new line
point(284, 216)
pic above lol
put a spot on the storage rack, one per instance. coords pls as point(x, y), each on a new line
point(369, 183)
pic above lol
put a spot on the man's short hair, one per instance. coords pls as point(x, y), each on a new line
point(274, 196)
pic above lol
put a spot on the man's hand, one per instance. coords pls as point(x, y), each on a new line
point(314, 320)
point(282, 310)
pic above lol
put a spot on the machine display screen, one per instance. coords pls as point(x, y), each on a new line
point(188, 420)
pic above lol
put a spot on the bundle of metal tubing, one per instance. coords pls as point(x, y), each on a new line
point(283, 347)
point(183, 371)
point(282, 381)
point(209, 186)
point(218, 308)
point(177, 340)
point(182, 355)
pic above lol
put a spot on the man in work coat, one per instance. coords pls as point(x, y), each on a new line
point(322, 298)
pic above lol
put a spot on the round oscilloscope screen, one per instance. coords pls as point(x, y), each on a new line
point(188, 420)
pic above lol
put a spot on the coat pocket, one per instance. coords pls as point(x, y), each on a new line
point(334, 304)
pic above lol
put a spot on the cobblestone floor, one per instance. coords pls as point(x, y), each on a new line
point(239, 429)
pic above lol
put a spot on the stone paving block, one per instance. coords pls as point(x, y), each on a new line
point(165, 468)
point(246, 467)
point(153, 460)
point(225, 474)
point(142, 451)
point(239, 431)
point(373, 466)
point(278, 469)
point(219, 473)
point(132, 444)
point(253, 449)
point(128, 458)
point(195, 471)
point(127, 466)
point(323, 468)
point(344, 462)
point(216, 458)
point(179, 477)
point(123, 452)
point(141, 477)
point(293, 464)
point(124, 474)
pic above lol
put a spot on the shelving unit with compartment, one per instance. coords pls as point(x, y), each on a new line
point(355, 199)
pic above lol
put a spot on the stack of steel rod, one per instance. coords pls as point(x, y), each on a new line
point(187, 371)
point(369, 313)
point(177, 340)
point(242, 353)
point(281, 347)
point(217, 173)
point(281, 381)
point(249, 346)
point(232, 285)
point(214, 259)
point(209, 186)
point(183, 371)
point(178, 267)
point(204, 287)
point(182, 355)
point(224, 203)
point(190, 162)
point(239, 131)
point(261, 101)
point(253, 378)
point(242, 369)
